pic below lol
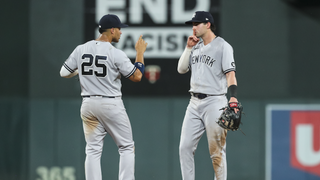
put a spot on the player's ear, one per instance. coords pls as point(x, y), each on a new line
point(208, 25)
point(112, 30)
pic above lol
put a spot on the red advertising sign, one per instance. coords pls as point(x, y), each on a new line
point(305, 141)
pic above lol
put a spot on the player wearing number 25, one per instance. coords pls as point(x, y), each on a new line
point(100, 67)
point(211, 62)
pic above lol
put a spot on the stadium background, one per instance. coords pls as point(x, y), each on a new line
point(276, 46)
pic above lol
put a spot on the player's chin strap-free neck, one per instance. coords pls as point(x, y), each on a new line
point(104, 38)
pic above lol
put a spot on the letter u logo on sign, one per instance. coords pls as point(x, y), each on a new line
point(305, 141)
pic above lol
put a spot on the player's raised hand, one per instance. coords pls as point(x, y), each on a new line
point(141, 45)
point(192, 40)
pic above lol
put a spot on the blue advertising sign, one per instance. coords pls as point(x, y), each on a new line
point(293, 142)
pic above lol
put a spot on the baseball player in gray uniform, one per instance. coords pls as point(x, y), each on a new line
point(100, 66)
point(211, 62)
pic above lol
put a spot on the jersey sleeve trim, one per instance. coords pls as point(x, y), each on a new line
point(229, 70)
point(133, 70)
point(68, 68)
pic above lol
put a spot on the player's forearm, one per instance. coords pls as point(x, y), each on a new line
point(139, 57)
point(231, 78)
point(183, 64)
point(232, 86)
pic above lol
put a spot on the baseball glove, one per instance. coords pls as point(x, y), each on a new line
point(230, 120)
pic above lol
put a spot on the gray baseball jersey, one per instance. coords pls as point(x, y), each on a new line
point(208, 65)
point(100, 66)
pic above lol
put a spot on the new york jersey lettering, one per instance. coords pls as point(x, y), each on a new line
point(203, 59)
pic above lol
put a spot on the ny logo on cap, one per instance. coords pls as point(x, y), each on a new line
point(194, 14)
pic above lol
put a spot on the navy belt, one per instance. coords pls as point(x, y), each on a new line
point(199, 95)
point(98, 96)
point(202, 96)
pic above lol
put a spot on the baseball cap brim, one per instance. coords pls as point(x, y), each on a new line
point(191, 21)
point(123, 25)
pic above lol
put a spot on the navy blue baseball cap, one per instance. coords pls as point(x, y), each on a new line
point(111, 21)
point(201, 16)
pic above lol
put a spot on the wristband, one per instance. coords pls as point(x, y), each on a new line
point(140, 66)
point(233, 90)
